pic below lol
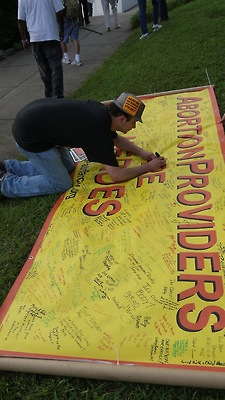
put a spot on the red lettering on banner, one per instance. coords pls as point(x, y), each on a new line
point(181, 198)
point(114, 204)
point(189, 154)
point(188, 114)
point(186, 119)
point(120, 191)
point(194, 213)
point(202, 318)
point(106, 192)
point(197, 129)
point(209, 235)
point(188, 101)
point(194, 181)
point(194, 166)
point(187, 106)
point(190, 141)
point(198, 236)
point(201, 281)
point(204, 225)
point(151, 178)
point(199, 260)
point(189, 121)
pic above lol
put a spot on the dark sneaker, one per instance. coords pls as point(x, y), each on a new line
point(2, 173)
point(2, 167)
point(156, 27)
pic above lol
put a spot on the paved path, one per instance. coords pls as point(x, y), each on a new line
point(20, 81)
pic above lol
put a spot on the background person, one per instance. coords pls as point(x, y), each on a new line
point(85, 14)
point(90, 7)
point(143, 19)
point(164, 10)
point(159, 9)
point(155, 13)
point(71, 31)
point(106, 11)
point(39, 20)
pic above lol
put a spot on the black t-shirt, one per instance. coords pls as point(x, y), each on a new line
point(44, 123)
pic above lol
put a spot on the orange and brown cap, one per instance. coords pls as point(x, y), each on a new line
point(130, 104)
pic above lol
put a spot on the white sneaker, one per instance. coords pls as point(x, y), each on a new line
point(143, 36)
point(156, 27)
point(117, 26)
point(77, 63)
point(65, 61)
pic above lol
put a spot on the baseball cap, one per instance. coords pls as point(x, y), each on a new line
point(130, 104)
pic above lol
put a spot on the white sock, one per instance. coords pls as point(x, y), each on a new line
point(77, 57)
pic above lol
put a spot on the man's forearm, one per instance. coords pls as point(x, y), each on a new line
point(60, 20)
point(23, 29)
point(119, 174)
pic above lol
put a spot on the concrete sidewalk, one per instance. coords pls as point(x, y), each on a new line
point(20, 81)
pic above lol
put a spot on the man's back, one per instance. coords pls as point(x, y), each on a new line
point(40, 17)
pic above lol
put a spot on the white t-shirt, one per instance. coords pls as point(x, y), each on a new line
point(40, 17)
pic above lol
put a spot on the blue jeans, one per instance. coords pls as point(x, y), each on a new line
point(45, 173)
point(71, 30)
point(143, 17)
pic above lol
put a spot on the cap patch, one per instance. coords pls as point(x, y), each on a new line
point(131, 105)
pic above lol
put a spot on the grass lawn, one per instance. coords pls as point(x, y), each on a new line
point(188, 51)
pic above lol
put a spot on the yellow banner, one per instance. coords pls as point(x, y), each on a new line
point(133, 273)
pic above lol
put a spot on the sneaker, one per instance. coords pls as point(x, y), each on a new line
point(117, 26)
point(2, 167)
point(77, 63)
point(2, 197)
point(65, 61)
point(143, 36)
point(108, 29)
point(156, 27)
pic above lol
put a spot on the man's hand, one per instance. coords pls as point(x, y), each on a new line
point(146, 155)
point(26, 44)
point(157, 163)
point(61, 36)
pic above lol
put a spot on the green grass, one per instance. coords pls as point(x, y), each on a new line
point(176, 57)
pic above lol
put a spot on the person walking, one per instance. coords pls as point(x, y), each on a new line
point(84, 11)
point(164, 10)
point(155, 13)
point(159, 9)
point(106, 11)
point(71, 31)
point(38, 25)
point(143, 19)
point(44, 130)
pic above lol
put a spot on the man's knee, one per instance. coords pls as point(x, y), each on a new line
point(65, 185)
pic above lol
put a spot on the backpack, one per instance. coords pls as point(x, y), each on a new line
point(72, 9)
